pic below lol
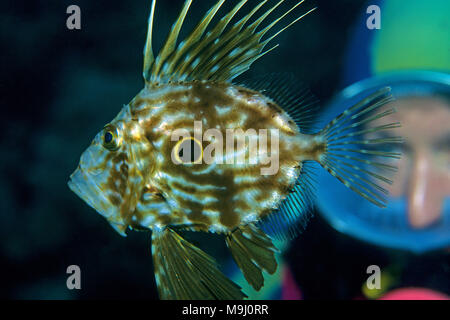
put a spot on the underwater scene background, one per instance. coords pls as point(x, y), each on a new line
point(58, 89)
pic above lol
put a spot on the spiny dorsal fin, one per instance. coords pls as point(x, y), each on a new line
point(221, 54)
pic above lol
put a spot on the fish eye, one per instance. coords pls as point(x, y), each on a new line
point(110, 138)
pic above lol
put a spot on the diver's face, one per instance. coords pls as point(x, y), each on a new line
point(424, 170)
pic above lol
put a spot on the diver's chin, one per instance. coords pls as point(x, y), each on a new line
point(83, 186)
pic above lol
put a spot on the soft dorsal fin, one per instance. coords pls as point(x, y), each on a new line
point(220, 54)
point(291, 95)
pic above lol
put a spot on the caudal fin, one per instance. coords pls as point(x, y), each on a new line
point(353, 158)
point(253, 252)
point(184, 272)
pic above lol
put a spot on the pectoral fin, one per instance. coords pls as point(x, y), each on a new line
point(184, 272)
point(253, 252)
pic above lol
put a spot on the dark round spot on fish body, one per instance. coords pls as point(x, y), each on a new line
point(184, 170)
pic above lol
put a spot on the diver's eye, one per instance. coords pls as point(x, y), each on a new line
point(110, 138)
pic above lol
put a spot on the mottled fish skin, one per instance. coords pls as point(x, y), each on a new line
point(195, 194)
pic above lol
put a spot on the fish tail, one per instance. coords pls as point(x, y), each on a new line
point(253, 252)
point(184, 272)
point(344, 150)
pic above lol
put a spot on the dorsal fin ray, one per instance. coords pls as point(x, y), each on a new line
point(195, 35)
point(172, 39)
point(230, 41)
point(218, 55)
point(149, 57)
point(236, 52)
point(184, 69)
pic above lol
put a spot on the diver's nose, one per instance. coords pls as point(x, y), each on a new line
point(424, 203)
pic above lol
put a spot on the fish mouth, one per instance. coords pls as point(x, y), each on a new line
point(84, 187)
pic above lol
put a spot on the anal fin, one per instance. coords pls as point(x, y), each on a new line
point(253, 252)
point(184, 272)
